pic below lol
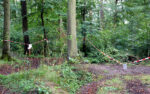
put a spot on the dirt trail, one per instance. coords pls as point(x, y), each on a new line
point(136, 87)
point(92, 88)
point(110, 71)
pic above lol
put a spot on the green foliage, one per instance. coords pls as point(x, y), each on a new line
point(129, 34)
point(73, 79)
point(68, 77)
point(105, 43)
point(19, 82)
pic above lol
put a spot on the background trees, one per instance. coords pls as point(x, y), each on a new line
point(119, 28)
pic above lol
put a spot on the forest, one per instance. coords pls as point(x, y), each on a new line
point(75, 47)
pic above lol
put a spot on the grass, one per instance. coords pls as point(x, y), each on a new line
point(97, 77)
point(11, 62)
point(113, 86)
point(144, 78)
point(128, 77)
point(117, 85)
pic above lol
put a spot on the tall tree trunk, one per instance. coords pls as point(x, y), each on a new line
point(25, 25)
point(102, 18)
point(44, 31)
point(83, 13)
point(6, 32)
point(72, 41)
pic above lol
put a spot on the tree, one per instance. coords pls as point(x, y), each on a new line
point(25, 25)
point(83, 13)
point(6, 32)
point(44, 31)
point(72, 41)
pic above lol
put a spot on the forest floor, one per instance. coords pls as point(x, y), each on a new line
point(108, 78)
point(34, 63)
point(113, 79)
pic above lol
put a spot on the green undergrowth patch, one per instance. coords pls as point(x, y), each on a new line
point(65, 76)
point(117, 85)
point(23, 82)
point(113, 86)
point(98, 77)
point(143, 78)
point(145, 63)
point(15, 61)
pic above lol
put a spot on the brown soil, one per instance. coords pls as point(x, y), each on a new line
point(90, 88)
point(136, 87)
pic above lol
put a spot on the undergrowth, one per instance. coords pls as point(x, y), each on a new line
point(66, 76)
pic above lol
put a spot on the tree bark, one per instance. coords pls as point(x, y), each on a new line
point(83, 13)
point(44, 31)
point(72, 41)
point(25, 25)
point(6, 33)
